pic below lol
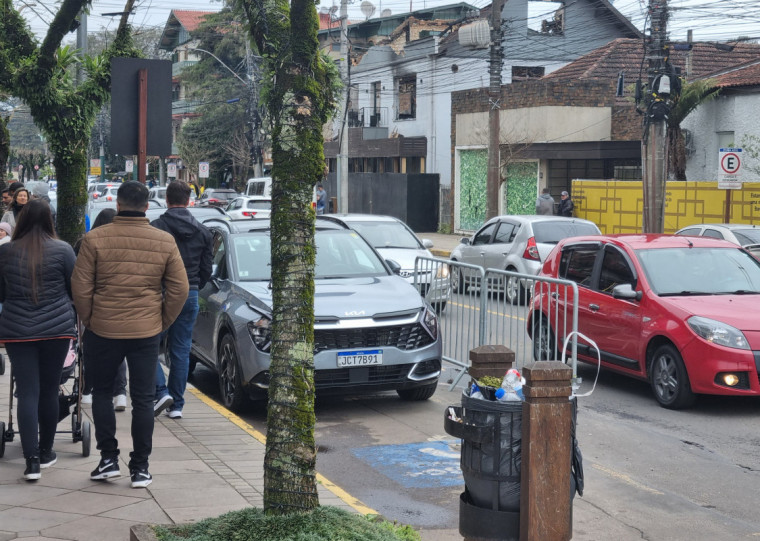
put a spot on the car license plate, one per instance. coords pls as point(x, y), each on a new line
point(360, 358)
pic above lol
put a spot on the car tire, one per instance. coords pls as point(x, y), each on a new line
point(544, 341)
point(457, 278)
point(439, 307)
point(232, 395)
point(669, 379)
point(514, 292)
point(418, 394)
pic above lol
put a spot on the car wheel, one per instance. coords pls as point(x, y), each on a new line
point(669, 379)
point(230, 388)
point(544, 343)
point(418, 393)
point(515, 292)
point(457, 280)
point(439, 307)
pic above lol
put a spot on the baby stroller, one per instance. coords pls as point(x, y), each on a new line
point(80, 430)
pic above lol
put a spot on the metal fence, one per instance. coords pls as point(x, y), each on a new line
point(479, 306)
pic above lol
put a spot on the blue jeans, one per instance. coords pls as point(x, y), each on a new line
point(180, 336)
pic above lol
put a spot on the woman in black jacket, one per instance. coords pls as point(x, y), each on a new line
point(36, 325)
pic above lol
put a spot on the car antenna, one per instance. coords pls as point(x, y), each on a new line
point(691, 244)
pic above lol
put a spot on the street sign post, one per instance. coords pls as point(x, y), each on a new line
point(171, 170)
point(203, 170)
point(729, 168)
point(129, 166)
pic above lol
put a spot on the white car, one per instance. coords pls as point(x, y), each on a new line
point(395, 241)
point(250, 207)
point(157, 194)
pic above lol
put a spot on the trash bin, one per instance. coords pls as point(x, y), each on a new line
point(491, 434)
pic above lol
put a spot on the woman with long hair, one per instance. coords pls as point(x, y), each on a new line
point(36, 325)
point(20, 199)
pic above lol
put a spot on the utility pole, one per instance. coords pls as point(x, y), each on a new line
point(342, 176)
point(495, 60)
point(662, 86)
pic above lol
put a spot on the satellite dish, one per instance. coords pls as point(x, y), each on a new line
point(386, 13)
point(368, 8)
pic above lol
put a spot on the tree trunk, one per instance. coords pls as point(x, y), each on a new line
point(5, 149)
point(676, 153)
point(71, 172)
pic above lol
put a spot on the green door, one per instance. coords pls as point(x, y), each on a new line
point(473, 170)
point(521, 187)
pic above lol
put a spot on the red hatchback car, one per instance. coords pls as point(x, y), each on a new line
point(679, 312)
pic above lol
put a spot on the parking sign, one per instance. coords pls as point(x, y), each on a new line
point(729, 168)
point(203, 170)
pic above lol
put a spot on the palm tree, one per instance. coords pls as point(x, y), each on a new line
point(692, 95)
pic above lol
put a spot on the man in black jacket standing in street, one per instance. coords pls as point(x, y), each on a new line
point(194, 243)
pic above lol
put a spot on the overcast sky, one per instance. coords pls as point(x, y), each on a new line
point(711, 20)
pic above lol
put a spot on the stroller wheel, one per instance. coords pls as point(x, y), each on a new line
point(86, 434)
point(2, 439)
point(75, 435)
point(2, 365)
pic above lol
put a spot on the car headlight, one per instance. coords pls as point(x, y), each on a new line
point(430, 322)
point(718, 332)
point(261, 333)
point(442, 272)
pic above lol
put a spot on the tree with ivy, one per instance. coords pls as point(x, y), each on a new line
point(41, 75)
point(300, 97)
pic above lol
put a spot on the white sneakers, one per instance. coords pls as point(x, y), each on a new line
point(174, 414)
point(120, 402)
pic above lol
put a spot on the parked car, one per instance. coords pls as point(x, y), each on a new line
point(94, 206)
point(394, 240)
point(745, 235)
point(158, 194)
point(217, 197)
point(372, 331)
point(250, 207)
point(209, 216)
point(94, 190)
point(518, 244)
point(679, 312)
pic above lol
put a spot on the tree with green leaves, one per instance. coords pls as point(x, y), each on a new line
point(300, 97)
point(40, 75)
point(692, 95)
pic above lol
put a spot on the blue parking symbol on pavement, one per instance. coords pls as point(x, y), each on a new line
point(416, 465)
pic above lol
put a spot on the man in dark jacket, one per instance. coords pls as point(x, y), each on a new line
point(194, 243)
point(565, 205)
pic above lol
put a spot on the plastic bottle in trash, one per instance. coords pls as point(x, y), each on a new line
point(475, 392)
point(511, 386)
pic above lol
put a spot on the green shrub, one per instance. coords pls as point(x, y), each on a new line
point(321, 524)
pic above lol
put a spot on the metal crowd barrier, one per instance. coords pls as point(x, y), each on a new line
point(471, 315)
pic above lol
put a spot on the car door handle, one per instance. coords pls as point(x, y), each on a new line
point(593, 307)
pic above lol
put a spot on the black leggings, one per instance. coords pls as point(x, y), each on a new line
point(37, 368)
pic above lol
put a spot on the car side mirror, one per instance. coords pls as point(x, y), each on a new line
point(626, 291)
point(465, 241)
point(394, 265)
point(427, 243)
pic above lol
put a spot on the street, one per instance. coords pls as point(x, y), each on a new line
point(661, 474)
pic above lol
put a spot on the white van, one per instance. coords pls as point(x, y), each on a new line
point(259, 186)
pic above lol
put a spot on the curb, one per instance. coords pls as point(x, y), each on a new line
point(440, 253)
point(142, 532)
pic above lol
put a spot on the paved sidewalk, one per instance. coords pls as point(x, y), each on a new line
point(204, 465)
point(443, 244)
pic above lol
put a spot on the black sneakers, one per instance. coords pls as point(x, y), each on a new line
point(47, 458)
point(32, 471)
point(161, 404)
point(141, 478)
point(107, 468)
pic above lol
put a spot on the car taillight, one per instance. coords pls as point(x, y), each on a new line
point(109, 198)
point(212, 200)
point(95, 195)
point(249, 213)
point(531, 250)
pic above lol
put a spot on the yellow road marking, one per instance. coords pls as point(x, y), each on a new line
point(357, 505)
point(477, 309)
point(626, 479)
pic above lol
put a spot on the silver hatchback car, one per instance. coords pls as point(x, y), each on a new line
point(372, 331)
point(518, 244)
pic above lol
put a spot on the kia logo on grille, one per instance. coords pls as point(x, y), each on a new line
point(405, 274)
point(355, 313)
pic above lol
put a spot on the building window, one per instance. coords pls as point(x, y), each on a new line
point(406, 106)
point(546, 18)
point(521, 73)
point(725, 139)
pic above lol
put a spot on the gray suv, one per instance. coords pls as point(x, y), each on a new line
point(518, 244)
point(372, 331)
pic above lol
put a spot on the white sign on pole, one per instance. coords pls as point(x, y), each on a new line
point(171, 170)
point(147, 169)
point(203, 170)
point(729, 168)
point(129, 166)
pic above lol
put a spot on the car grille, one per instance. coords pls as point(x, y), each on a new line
point(404, 337)
point(363, 374)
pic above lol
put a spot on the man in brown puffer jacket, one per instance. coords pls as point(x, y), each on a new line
point(129, 284)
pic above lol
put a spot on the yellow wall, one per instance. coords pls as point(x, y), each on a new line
point(617, 206)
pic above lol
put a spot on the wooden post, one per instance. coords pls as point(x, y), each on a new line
point(142, 123)
point(490, 361)
point(545, 513)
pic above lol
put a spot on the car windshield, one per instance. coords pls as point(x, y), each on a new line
point(340, 254)
point(386, 234)
point(700, 271)
point(747, 236)
point(553, 232)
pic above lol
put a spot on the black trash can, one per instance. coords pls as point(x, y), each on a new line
point(491, 434)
